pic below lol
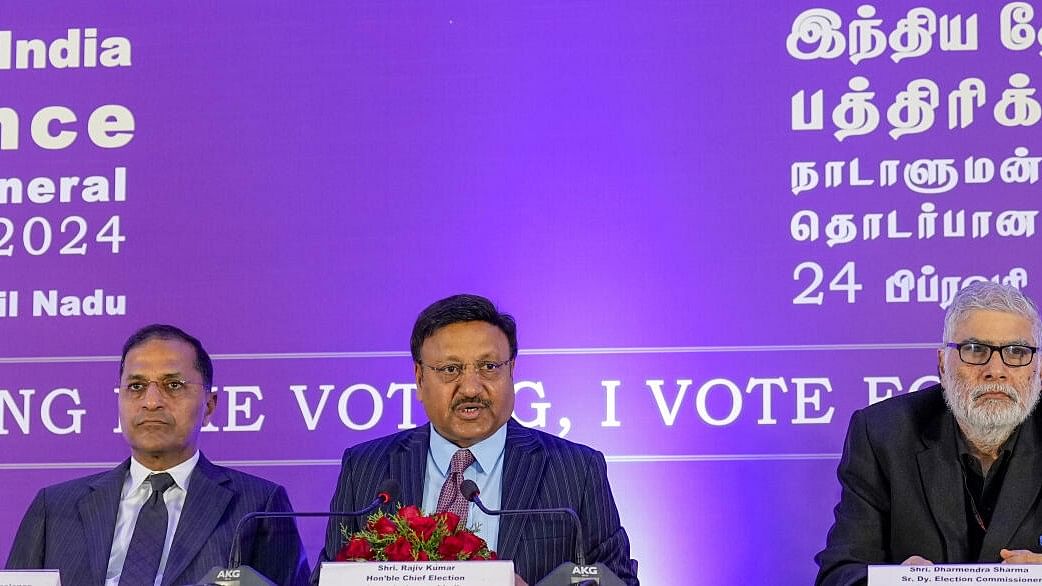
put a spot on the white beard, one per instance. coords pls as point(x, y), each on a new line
point(988, 423)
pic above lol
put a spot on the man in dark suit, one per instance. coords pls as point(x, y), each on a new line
point(464, 352)
point(166, 515)
point(950, 474)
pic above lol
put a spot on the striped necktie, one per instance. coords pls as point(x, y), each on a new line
point(146, 546)
point(450, 498)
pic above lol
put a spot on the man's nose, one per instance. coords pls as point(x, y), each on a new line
point(995, 368)
point(153, 397)
point(470, 381)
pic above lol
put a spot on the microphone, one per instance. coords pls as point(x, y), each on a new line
point(238, 575)
point(470, 492)
point(567, 574)
point(386, 492)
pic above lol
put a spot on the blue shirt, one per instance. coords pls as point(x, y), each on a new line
point(486, 472)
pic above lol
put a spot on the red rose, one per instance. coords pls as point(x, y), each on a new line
point(450, 547)
point(399, 551)
point(383, 526)
point(356, 549)
point(451, 520)
point(463, 545)
point(409, 512)
point(423, 526)
point(471, 543)
point(492, 555)
point(423, 557)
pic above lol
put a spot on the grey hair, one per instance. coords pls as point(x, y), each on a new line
point(986, 295)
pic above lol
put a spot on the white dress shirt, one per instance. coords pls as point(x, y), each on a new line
point(136, 491)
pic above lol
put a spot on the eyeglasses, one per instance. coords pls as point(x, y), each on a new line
point(977, 353)
point(452, 371)
point(171, 387)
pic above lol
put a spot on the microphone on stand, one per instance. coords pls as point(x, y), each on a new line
point(567, 574)
point(238, 575)
point(470, 492)
point(386, 492)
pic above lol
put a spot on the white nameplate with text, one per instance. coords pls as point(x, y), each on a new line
point(469, 573)
point(30, 578)
point(976, 574)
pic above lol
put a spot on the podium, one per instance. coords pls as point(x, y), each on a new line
point(441, 573)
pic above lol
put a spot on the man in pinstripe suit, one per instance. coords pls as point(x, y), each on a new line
point(464, 351)
point(88, 528)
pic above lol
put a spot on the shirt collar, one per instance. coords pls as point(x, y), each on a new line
point(486, 452)
point(180, 473)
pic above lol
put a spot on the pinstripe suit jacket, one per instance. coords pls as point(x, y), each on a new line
point(69, 526)
point(540, 470)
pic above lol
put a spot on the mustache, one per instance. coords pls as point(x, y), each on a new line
point(471, 400)
point(151, 419)
point(1008, 390)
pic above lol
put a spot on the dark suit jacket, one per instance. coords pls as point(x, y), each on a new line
point(902, 491)
point(70, 526)
point(540, 470)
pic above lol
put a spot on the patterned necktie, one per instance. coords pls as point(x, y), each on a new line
point(450, 498)
point(146, 546)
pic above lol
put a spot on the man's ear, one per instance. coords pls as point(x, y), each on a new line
point(417, 370)
point(211, 406)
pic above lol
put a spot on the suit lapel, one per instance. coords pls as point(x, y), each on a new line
point(1020, 489)
point(941, 477)
point(204, 508)
point(408, 465)
point(524, 462)
point(98, 511)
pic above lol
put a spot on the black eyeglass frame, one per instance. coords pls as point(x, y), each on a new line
point(991, 350)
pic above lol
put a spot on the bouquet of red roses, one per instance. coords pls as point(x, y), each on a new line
point(409, 535)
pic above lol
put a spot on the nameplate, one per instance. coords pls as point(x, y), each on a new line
point(30, 578)
point(469, 573)
point(976, 574)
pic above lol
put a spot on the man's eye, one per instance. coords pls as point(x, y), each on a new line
point(1017, 351)
point(450, 369)
point(135, 387)
point(489, 366)
point(174, 385)
point(977, 348)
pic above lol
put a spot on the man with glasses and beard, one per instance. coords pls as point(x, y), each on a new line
point(953, 473)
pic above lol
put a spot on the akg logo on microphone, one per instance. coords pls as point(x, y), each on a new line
point(230, 574)
point(584, 575)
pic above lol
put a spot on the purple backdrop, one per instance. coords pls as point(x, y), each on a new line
point(638, 183)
